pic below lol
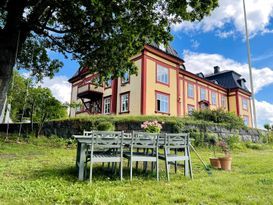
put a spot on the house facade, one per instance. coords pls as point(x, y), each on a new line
point(162, 86)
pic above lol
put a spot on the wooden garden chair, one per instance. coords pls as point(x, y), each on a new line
point(112, 141)
point(180, 145)
point(143, 140)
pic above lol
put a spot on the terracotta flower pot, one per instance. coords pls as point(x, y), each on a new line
point(215, 162)
point(225, 163)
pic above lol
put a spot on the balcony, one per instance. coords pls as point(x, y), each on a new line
point(89, 91)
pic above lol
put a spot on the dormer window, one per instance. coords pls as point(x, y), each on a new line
point(162, 47)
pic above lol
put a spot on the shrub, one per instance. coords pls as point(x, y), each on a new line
point(233, 139)
point(105, 126)
point(219, 116)
point(198, 138)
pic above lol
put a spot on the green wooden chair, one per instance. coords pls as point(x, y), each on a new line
point(113, 142)
point(176, 148)
point(143, 140)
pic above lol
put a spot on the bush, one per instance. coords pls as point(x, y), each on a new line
point(255, 146)
point(219, 116)
point(232, 140)
point(198, 138)
point(105, 126)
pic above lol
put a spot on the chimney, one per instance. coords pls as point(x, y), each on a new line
point(216, 69)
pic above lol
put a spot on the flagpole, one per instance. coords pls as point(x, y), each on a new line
point(250, 69)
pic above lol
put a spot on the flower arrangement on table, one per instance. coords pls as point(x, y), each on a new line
point(152, 126)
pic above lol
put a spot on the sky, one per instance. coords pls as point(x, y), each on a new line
point(218, 39)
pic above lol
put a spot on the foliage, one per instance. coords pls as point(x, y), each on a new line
point(219, 116)
point(93, 31)
point(232, 140)
point(223, 146)
point(36, 103)
point(106, 126)
point(198, 138)
point(42, 174)
point(152, 126)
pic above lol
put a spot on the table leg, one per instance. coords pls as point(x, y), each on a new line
point(82, 158)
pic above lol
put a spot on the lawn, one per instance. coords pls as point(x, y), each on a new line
point(40, 172)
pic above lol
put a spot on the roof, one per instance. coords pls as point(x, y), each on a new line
point(228, 79)
point(169, 50)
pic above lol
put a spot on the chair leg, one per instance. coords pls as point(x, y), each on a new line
point(167, 165)
point(190, 164)
point(157, 170)
point(186, 168)
point(175, 163)
point(121, 169)
point(131, 169)
point(152, 167)
point(91, 171)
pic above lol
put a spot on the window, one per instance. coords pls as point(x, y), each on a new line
point(162, 103)
point(190, 109)
point(203, 94)
point(245, 103)
point(124, 102)
point(224, 101)
point(190, 91)
point(107, 105)
point(109, 83)
point(213, 98)
point(125, 78)
point(162, 74)
point(246, 121)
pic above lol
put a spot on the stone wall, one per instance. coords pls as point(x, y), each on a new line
point(68, 128)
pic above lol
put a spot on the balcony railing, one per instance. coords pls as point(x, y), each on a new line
point(89, 88)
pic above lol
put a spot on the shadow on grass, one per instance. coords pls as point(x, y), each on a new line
point(100, 173)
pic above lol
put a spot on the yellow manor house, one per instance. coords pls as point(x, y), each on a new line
point(163, 86)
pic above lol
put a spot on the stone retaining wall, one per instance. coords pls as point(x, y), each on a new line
point(68, 128)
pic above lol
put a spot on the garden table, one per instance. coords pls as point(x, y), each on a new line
point(82, 144)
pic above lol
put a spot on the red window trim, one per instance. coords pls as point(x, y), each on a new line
point(167, 84)
point(188, 83)
point(156, 108)
point(109, 96)
point(120, 102)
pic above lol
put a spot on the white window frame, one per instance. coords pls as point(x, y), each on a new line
point(203, 93)
point(162, 103)
point(223, 101)
point(213, 98)
point(190, 90)
point(245, 103)
point(162, 74)
point(107, 105)
point(124, 98)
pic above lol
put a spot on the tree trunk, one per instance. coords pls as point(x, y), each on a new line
point(8, 45)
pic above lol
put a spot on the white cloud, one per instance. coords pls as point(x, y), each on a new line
point(59, 86)
point(264, 113)
point(194, 44)
point(203, 62)
point(259, 13)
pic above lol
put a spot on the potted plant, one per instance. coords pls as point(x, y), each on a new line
point(214, 161)
point(226, 160)
point(152, 126)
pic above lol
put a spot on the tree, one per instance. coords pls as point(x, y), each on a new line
point(102, 34)
point(267, 127)
point(43, 106)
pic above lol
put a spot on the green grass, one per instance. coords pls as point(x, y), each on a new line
point(40, 172)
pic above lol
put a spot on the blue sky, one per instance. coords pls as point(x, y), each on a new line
point(217, 40)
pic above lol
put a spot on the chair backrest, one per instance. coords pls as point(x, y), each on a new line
point(87, 133)
point(105, 139)
point(144, 140)
point(179, 140)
